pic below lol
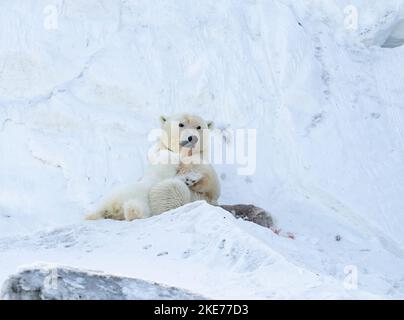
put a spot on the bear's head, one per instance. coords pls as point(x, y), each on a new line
point(185, 134)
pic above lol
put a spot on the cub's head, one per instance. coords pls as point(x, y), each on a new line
point(185, 132)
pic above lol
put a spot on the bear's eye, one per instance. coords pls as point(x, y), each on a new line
point(181, 125)
point(198, 128)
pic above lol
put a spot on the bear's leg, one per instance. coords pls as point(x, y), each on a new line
point(168, 194)
point(95, 216)
point(135, 209)
point(110, 210)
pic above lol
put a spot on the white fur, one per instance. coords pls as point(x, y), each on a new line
point(167, 183)
point(169, 194)
point(132, 201)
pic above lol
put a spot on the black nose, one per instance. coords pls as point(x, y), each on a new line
point(193, 139)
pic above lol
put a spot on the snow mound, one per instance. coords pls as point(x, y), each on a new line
point(396, 36)
point(197, 247)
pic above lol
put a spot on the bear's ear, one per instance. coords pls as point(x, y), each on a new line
point(163, 120)
point(210, 124)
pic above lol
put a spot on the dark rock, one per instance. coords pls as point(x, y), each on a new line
point(251, 213)
point(48, 282)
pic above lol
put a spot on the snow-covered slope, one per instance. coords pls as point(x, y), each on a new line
point(196, 246)
point(78, 99)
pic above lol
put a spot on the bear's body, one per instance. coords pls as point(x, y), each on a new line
point(193, 182)
point(176, 175)
point(132, 201)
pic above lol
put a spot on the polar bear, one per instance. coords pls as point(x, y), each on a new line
point(131, 201)
point(177, 174)
point(196, 179)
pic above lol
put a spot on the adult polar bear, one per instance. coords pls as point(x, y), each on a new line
point(178, 173)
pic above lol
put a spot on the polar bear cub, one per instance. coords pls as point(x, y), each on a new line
point(196, 179)
point(132, 201)
point(177, 174)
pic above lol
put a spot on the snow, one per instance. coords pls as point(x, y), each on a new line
point(396, 37)
point(197, 246)
point(77, 103)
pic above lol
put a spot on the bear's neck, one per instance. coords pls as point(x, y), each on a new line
point(187, 155)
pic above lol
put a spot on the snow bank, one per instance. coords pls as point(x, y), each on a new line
point(396, 36)
point(198, 247)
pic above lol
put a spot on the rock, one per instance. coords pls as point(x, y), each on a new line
point(251, 213)
point(47, 282)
